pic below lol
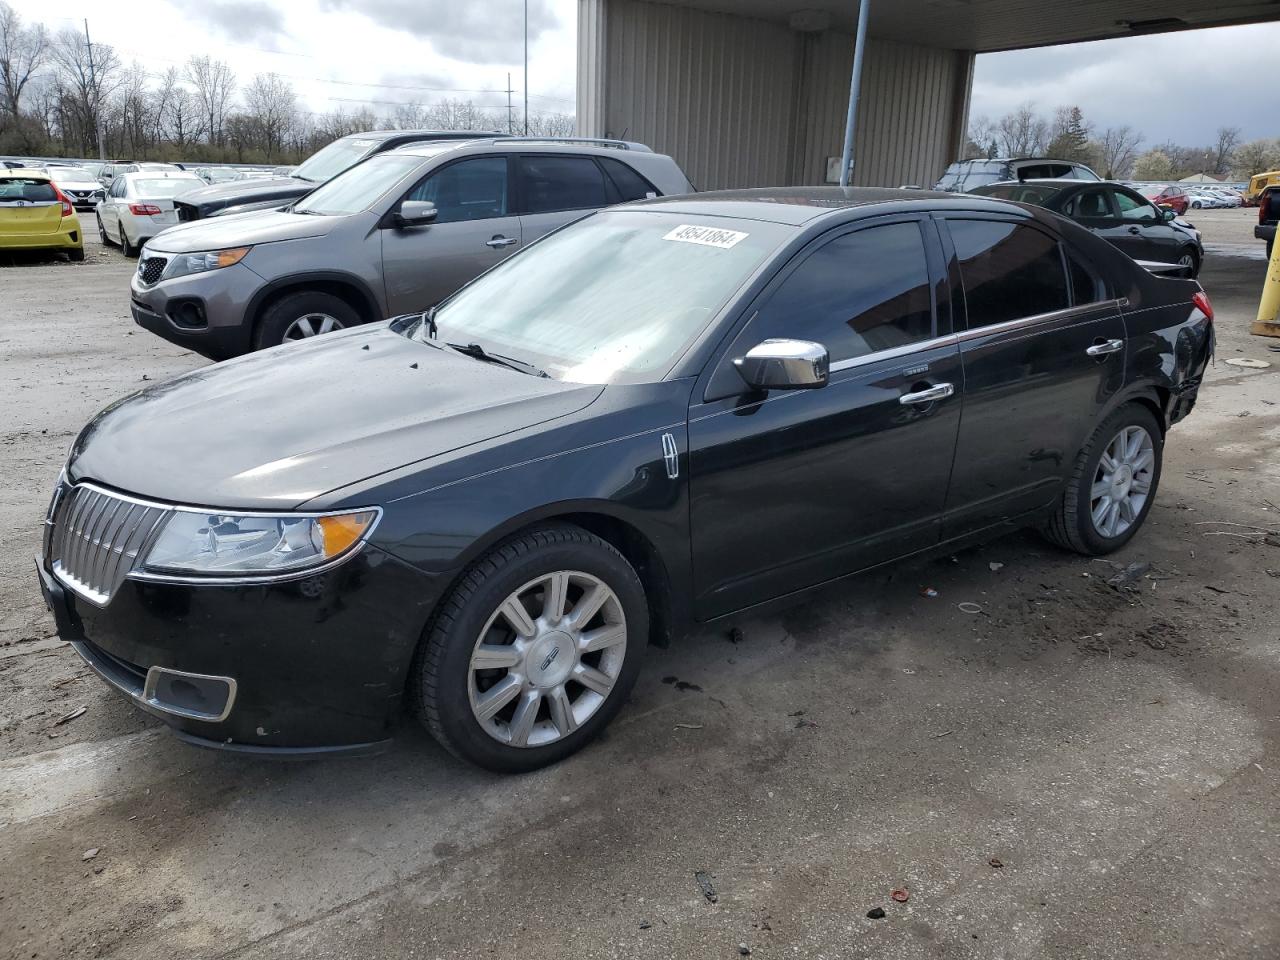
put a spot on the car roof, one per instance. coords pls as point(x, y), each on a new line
point(798, 206)
point(418, 134)
point(584, 145)
point(27, 173)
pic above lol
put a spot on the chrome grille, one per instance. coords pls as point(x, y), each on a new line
point(150, 268)
point(96, 539)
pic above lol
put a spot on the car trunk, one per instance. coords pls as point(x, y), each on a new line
point(166, 217)
point(23, 218)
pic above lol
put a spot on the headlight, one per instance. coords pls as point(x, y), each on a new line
point(203, 543)
point(184, 264)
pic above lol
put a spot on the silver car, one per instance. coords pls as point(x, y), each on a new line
point(80, 185)
point(394, 234)
point(139, 205)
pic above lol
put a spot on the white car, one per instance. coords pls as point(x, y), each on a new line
point(139, 205)
point(80, 186)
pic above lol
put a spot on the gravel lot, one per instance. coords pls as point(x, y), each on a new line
point(1079, 771)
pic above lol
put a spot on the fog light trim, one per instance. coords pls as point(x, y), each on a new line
point(160, 681)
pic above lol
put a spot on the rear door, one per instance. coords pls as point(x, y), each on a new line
point(1043, 351)
point(29, 207)
point(475, 230)
point(556, 189)
point(792, 488)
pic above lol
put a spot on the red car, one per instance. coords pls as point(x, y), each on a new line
point(1166, 195)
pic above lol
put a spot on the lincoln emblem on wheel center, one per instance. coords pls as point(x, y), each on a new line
point(648, 422)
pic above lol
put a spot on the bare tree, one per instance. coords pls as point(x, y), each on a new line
point(23, 51)
point(133, 113)
point(409, 116)
point(1154, 165)
point(272, 108)
point(1228, 140)
point(1256, 156)
point(1022, 132)
point(551, 124)
point(85, 90)
point(1116, 150)
point(982, 139)
point(215, 86)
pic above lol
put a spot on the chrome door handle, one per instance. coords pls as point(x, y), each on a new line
point(938, 392)
point(497, 242)
point(1102, 349)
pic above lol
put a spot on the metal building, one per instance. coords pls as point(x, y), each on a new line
point(755, 92)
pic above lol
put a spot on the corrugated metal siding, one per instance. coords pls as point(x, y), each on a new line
point(748, 102)
point(716, 92)
point(907, 113)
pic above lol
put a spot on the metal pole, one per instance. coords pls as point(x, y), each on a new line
point(526, 67)
point(855, 86)
point(97, 101)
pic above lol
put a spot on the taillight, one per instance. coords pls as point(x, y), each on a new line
point(144, 210)
point(67, 209)
point(1201, 301)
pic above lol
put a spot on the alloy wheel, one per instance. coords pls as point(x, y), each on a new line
point(547, 659)
point(1187, 260)
point(311, 325)
point(1122, 482)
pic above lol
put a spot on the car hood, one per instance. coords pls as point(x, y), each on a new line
point(218, 196)
point(239, 230)
point(277, 428)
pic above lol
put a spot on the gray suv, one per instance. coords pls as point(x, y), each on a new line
point(394, 234)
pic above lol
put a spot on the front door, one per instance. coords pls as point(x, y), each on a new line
point(1145, 234)
point(1043, 352)
point(474, 230)
point(790, 489)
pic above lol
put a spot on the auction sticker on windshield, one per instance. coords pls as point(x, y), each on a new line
point(706, 236)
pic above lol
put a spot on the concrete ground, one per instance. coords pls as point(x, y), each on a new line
point(1078, 771)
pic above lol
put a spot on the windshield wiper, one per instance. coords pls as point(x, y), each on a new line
point(478, 352)
point(429, 320)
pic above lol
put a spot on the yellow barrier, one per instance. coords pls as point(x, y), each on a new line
point(1268, 322)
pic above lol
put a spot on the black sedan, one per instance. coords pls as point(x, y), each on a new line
point(1122, 217)
point(654, 419)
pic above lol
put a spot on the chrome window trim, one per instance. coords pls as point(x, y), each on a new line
point(191, 579)
point(975, 334)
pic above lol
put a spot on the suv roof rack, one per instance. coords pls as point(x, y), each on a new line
point(589, 141)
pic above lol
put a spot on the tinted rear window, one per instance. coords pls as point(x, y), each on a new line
point(26, 188)
point(1009, 271)
point(561, 183)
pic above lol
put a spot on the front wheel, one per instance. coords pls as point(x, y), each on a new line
point(533, 652)
point(301, 316)
point(102, 232)
point(127, 248)
point(1113, 484)
point(1189, 260)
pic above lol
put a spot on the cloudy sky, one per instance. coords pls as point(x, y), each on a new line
point(348, 53)
point(1175, 86)
point(356, 53)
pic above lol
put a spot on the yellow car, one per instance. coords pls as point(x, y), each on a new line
point(35, 215)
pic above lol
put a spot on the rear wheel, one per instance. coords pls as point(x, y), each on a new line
point(533, 652)
point(127, 248)
point(76, 256)
point(1113, 484)
point(301, 316)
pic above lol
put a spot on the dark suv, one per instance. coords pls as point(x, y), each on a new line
point(964, 176)
point(240, 196)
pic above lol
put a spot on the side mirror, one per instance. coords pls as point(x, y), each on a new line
point(1169, 214)
point(416, 213)
point(785, 365)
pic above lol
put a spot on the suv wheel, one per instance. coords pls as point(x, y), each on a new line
point(1113, 485)
point(301, 316)
point(533, 652)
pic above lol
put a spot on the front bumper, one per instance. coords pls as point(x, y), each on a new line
point(204, 312)
point(309, 666)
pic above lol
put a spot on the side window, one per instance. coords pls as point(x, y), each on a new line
point(628, 184)
point(1009, 271)
point(561, 183)
point(856, 294)
point(1134, 208)
point(1085, 287)
point(1091, 205)
point(467, 190)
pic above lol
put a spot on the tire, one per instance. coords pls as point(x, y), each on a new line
point(102, 232)
point(127, 248)
point(447, 690)
point(1190, 261)
point(76, 256)
point(278, 322)
point(1270, 244)
point(1073, 526)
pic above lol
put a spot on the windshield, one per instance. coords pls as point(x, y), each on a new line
point(355, 190)
point(615, 298)
point(336, 157)
point(168, 187)
point(70, 174)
